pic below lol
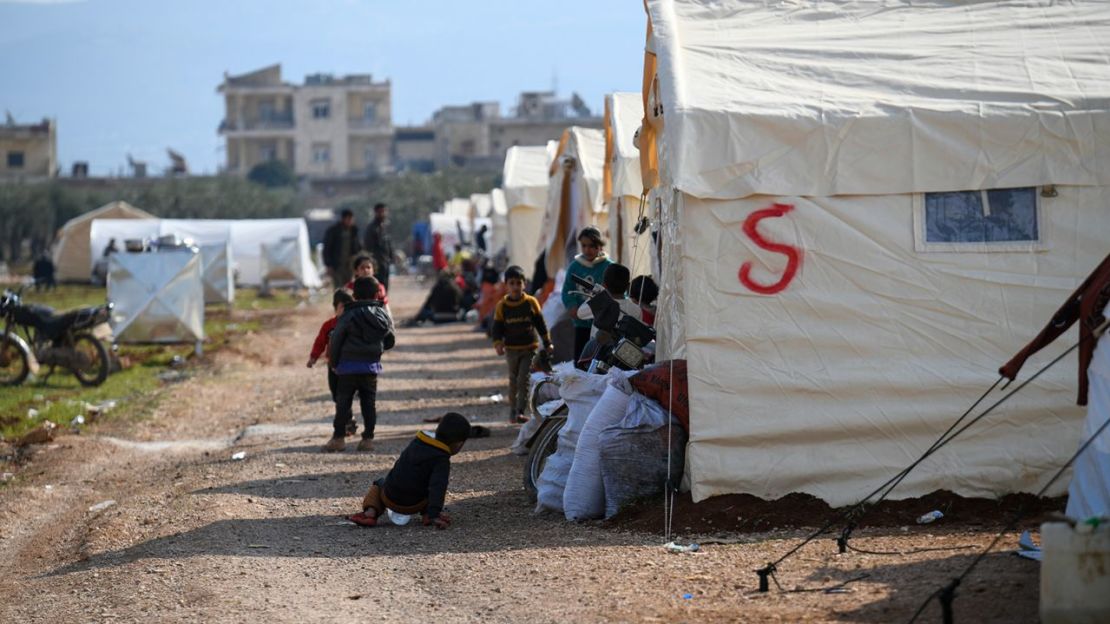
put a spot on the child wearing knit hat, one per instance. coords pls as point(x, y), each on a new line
point(418, 481)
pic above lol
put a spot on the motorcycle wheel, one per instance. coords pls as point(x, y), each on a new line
point(15, 364)
point(91, 367)
point(547, 440)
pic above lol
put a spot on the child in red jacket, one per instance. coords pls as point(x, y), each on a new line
point(339, 300)
point(363, 266)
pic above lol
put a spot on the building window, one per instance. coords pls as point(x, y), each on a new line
point(370, 157)
point(321, 153)
point(267, 152)
point(266, 110)
point(370, 112)
point(15, 160)
point(991, 220)
point(321, 109)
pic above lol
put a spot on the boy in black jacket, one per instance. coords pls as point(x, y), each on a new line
point(354, 352)
point(418, 481)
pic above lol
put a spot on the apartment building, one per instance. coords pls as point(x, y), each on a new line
point(28, 151)
point(476, 136)
point(327, 127)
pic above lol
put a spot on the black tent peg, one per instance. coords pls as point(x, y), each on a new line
point(763, 573)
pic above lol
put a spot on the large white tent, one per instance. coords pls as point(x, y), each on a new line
point(73, 256)
point(499, 221)
point(574, 194)
point(623, 185)
point(864, 213)
point(525, 180)
point(246, 237)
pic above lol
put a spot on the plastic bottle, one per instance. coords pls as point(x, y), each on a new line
point(930, 517)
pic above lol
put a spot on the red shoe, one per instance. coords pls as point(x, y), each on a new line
point(362, 519)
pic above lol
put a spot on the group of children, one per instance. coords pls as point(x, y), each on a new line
point(362, 329)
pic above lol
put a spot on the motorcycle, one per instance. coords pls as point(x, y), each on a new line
point(621, 341)
point(51, 339)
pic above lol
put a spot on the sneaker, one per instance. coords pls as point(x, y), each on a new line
point(521, 418)
point(366, 444)
point(334, 445)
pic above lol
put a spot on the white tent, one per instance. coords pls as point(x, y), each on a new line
point(573, 195)
point(622, 182)
point(280, 262)
point(499, 220)
point(158, 297)
point(525, 180)
point(448, 227)
point(73, 257)
point(458, 207)
point(216, 272)
point(481, 207)
point(864, 214)
point(246, 237)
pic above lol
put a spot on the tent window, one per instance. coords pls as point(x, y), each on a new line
point(998, 219)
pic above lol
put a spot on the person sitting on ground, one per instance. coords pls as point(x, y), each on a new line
point(442, 303)
point(363, 266)
point(339, 300)
point(518, 329)
point(615, 280)
point(417, 483)
point(643, 292)
point(590, 264)
point(355, 350)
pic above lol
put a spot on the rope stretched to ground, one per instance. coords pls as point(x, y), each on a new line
point(952, 434)
point(947, 593)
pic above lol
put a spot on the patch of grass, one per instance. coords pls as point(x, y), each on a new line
point(136, 389)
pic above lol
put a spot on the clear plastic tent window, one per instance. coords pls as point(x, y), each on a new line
point(995, 216)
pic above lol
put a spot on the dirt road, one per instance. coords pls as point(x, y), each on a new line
point(194, 536)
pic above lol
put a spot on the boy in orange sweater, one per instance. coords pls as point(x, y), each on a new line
point(320, 346)
point(518, 329)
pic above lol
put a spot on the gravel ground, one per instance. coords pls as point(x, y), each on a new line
point(196, 536)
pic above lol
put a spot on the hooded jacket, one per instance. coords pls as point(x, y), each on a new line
point(363, 332)
point(420, 473)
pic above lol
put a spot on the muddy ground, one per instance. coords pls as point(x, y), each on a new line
point(197, 537)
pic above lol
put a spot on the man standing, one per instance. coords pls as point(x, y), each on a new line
point(340, 245)
point(379, 244)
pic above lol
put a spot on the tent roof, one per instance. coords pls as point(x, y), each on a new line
point(457, 207)
point(481, 203)
point(525, 175)
point(624, 112)
point(852, 97)
point(111, 210)
point(587, 146)
point(497, 198)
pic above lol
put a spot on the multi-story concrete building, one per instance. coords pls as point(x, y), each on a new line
point(414, 148)
point(28, 151)
point(476, 136)
point(328, 127)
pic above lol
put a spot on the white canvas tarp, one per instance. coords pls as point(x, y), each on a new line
point(158, 297)
point(873, 98)
point(499, 221)
point(623, 185)
point(828, 343)
point(216, 272)
point(574, 195)
point(280, 262)
point(525, 183)
point(74, 258)
point(246, 237)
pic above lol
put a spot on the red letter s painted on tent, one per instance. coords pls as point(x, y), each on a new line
point(793, 255)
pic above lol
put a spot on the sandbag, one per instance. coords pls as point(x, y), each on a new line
point(581, 391)
point(634, 454)
point(584, 497)
point(655, 382)
point(547, 394)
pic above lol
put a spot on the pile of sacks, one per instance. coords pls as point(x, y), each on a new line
point(620, 443)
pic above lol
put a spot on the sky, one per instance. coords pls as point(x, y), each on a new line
point(138, 76)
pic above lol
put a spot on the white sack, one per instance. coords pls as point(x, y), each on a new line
point(584, 496)
point(580, 390)
point(634, 458)
point(1089, 492)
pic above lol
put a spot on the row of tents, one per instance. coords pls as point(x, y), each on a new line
point(856, 217)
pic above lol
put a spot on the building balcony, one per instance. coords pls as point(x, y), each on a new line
point(365, 127)
point(257, 126)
